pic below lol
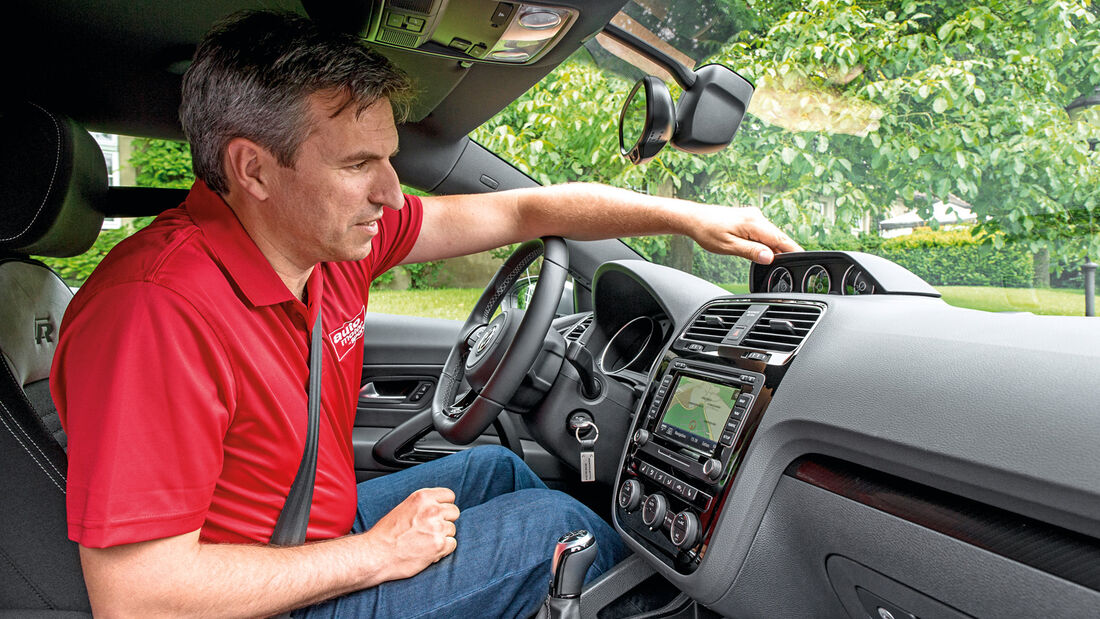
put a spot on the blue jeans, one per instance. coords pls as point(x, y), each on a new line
point(509, 524)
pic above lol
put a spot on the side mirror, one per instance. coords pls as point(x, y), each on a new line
point(646, 121)
point(703, 121)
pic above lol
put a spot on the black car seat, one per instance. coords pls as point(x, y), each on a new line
point(52, 177)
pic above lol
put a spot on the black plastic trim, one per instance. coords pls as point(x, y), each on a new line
point(1063, 553)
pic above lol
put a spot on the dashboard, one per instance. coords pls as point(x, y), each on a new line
point(831, 452)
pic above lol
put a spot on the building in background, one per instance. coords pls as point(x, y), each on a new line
point(116, 152)
point(947, 215)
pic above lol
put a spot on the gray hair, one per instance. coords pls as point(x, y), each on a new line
point(252, 77)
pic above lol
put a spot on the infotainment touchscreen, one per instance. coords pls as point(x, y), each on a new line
point(697, 412)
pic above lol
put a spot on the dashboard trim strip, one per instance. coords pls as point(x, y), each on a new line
point(1061, 552)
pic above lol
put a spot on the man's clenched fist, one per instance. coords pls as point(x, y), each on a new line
point(416, 533)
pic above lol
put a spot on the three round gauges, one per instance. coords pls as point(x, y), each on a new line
point(816, 280)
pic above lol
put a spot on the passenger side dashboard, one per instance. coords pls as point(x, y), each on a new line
point(984, 415)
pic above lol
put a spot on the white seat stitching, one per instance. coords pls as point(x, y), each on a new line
point(24, 431)
point(56, 164)
point(21, 444)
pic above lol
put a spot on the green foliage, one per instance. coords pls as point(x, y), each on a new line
point(958, 258)
point(162, 163)
point(953, 99)
point(563, 129)
point(859, 106)
point(711, 267)
point(383, 279)
point(422, 275)
point(75, 270)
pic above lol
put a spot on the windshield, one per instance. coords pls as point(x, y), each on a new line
point(958, 140)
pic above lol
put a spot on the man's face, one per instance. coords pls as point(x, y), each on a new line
point(326, 208)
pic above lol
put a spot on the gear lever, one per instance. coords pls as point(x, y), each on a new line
point(573, 555)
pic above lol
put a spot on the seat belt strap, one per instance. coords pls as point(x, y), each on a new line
point(290, 528)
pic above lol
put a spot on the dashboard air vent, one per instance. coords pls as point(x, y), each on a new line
point(712, 325)
point(576, 331)
point(782, 327)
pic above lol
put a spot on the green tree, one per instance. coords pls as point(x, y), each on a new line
point(936, 98)
point(162, 163)
point(859, 105)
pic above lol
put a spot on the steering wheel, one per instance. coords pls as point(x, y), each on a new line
point(494, 356)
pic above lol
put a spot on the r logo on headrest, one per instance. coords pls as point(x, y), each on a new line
point(43, 330)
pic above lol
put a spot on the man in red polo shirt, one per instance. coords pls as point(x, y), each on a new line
point(181, 368)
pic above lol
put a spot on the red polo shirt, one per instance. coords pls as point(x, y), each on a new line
point(181, 374)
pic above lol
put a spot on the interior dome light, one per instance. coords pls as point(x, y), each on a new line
point(506, 54)
point(539, 19)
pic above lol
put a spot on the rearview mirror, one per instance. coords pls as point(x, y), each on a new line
point(703, 121)
point(646, 120)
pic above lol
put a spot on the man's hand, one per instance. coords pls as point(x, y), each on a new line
point(416, 533)
point(741, 232)
point(179, 576)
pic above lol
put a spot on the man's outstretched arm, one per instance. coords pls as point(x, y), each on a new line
point(179, 576)
point(459, 225)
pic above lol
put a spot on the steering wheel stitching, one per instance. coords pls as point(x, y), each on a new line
point(494, 356)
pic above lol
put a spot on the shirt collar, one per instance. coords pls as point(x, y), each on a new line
point(244, 263)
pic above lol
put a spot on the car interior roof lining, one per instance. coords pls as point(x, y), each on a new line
point(120, 67)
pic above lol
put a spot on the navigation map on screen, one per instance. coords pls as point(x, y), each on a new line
point(700, 408)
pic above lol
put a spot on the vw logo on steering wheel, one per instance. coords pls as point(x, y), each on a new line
point(485, 339)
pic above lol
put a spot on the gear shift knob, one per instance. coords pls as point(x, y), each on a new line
point(573, 555)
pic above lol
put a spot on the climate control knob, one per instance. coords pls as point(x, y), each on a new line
point(630, 495)
point(653, 512)
point(712, 468)
point(685, 530)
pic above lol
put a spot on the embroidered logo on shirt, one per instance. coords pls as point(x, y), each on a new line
point(346, 336)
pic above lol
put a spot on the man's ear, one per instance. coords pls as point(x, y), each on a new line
point(248, 165)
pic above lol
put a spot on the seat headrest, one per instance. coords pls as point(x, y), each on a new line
point(52, 176)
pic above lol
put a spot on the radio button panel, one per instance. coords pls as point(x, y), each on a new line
point(695, 425)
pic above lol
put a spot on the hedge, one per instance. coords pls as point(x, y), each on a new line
point(947, 257)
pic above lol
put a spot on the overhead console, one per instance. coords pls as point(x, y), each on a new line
point(697, 420)
point(468, 30)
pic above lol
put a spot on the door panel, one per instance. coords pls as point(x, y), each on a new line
point(402, 357)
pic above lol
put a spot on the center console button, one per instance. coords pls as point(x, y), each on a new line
point(685, 530)
point(744, 400)
point(630, 495)
point(712, 468)
point(689, 492)
point(653, 512)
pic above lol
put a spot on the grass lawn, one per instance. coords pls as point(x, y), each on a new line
point(455, 303)
point(1058, 302)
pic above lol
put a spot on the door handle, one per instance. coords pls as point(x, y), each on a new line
point(370, 392)
point(395, 390)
